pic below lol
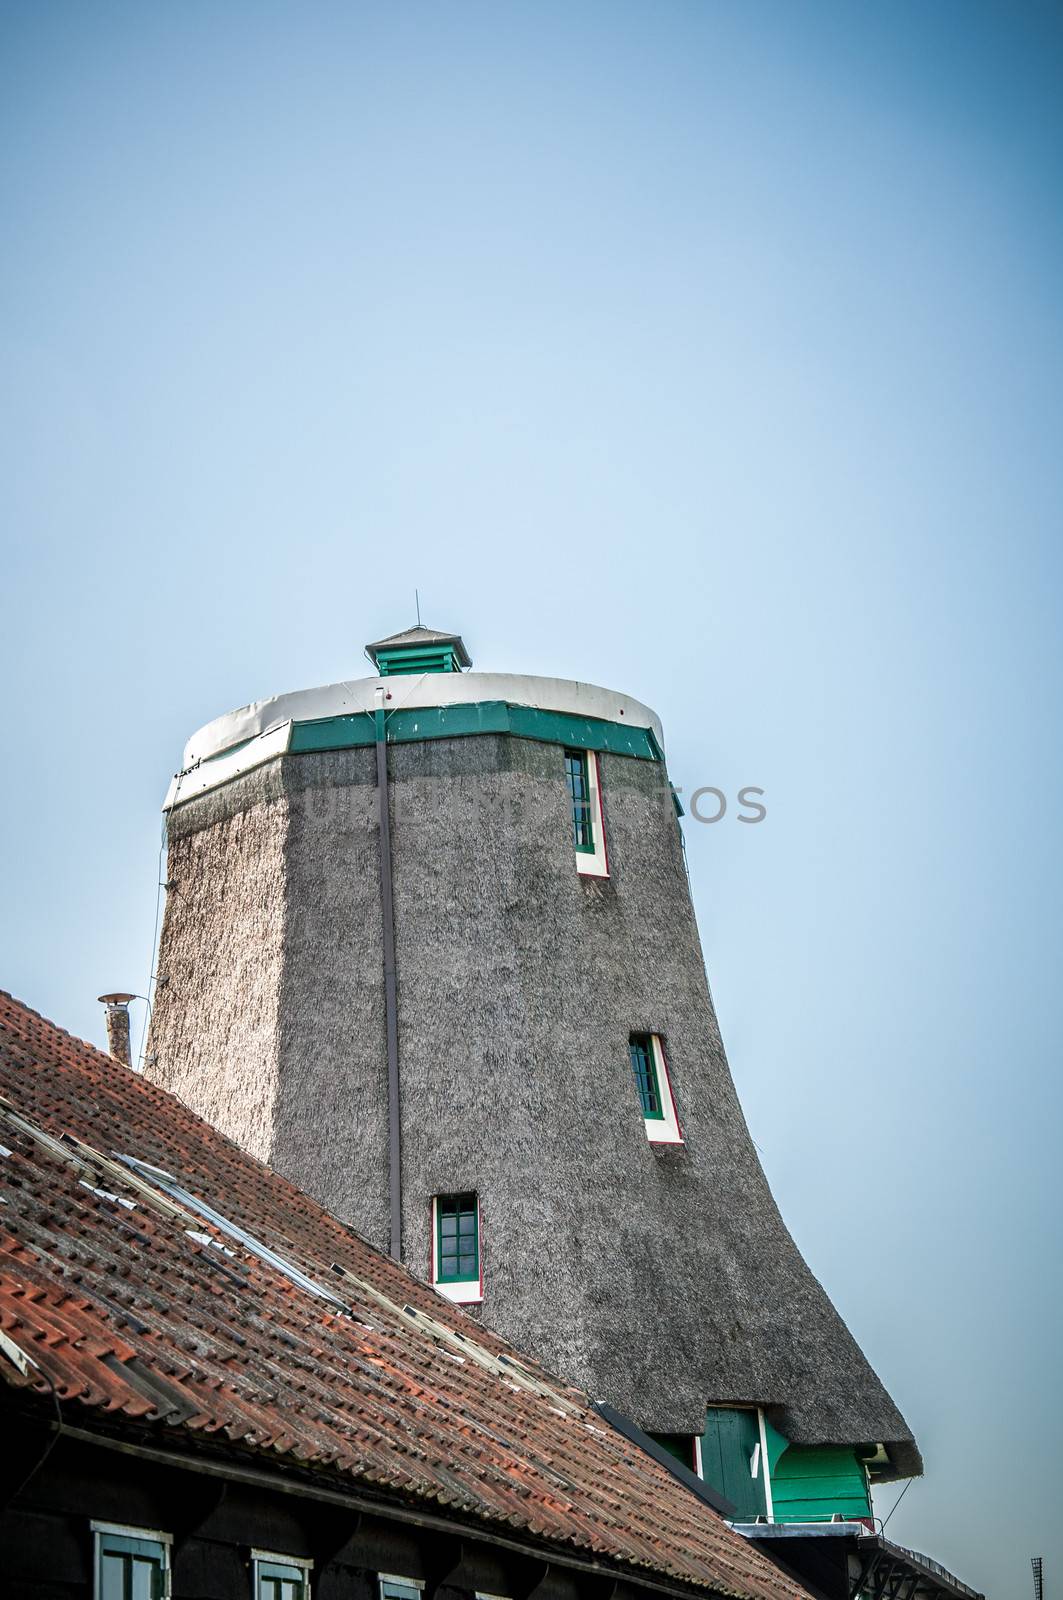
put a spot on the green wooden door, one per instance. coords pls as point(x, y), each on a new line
point(730, 1448)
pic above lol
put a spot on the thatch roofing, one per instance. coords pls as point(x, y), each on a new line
point(659, 1280)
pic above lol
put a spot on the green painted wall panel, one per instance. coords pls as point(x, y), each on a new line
point(852, 1509)
point(811, 1483)
point(489, 716)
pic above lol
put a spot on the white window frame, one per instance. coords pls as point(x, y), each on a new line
point(393, 1578)
point(465, 1292)
point(277, 1558)
point(594, 863)
point(665, 1129)
point(121, 1530)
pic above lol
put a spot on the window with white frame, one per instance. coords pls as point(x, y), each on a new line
point(131, 1563)
point(583, 780)
point(279, 1577)
point(650, 1069)
point(456, 1269)
point(393, 1588)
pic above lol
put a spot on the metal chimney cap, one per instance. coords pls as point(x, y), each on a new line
point(116, 999)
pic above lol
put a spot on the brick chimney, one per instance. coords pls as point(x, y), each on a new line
point(118, 1026)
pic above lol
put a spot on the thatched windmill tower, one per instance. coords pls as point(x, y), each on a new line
point(430, 951)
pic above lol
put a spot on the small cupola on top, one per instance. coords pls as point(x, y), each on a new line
point(418, 649)
point(431, 952)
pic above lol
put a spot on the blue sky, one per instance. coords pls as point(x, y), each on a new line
point(708, 351)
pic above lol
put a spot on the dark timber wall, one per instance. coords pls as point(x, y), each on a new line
point(215, 1521)
point(658, 1278)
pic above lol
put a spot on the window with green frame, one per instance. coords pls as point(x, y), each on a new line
point(457, 1238)
point(131, 1564)
point(577, 776)
point(281, 1577)
point(644, 1066)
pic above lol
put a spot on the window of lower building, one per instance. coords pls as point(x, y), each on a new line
point(583, 779)
point(456, 1247)
point(392, 1588)
point(131, 1563)
point(279, 1577)
point(650, 1069)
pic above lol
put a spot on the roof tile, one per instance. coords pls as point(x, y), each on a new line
point(223, 1344)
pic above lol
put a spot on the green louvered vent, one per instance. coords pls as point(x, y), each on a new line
point(437, 658)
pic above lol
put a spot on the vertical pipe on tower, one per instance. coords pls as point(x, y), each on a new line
point(391, 1013)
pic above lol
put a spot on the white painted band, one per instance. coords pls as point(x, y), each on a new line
point(428, 689)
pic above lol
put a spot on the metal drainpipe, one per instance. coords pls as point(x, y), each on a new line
point(391, 1010)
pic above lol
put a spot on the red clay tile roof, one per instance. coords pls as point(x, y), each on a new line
point(135, 1320)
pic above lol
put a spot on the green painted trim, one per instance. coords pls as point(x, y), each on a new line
point(487, 716)
point(583, 733)
point(776, 1442)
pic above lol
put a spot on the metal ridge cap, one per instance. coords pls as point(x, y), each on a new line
point(426, 690)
